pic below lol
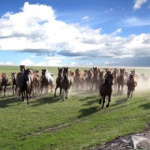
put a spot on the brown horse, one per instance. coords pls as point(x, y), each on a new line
point(24, 81)
point(115, 74)
point(3, 81)
point(78, 79)
point(121, 80)
point(131, 84)
point(89, 79)
point(106, 90)
point(36, 81)
point(96, 72)
point(14, 84)
point(66, 83)
point(59, 80)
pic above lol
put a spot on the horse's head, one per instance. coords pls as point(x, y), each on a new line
point(44, 73)
point(60, 72)
point(77, 72)
point(109, 79)
point(13, 74)
point(27, 74)
point(65, 72)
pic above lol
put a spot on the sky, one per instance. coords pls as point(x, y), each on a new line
point(75, 33)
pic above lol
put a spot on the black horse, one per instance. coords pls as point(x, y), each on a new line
point(105, 89)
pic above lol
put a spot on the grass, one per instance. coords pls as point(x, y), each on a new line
point(49, 123)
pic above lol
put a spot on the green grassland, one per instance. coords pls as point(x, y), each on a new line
point(49, 123)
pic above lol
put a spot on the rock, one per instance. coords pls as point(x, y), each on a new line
point(138, 139)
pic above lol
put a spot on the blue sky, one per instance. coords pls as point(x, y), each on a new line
point(75, 32)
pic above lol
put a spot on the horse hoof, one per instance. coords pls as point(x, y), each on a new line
point(100, 102)
point(107, 106)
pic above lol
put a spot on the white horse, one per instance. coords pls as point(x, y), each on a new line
point(47, 80)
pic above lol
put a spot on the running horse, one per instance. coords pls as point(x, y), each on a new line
point(121, 80)
point(115, 73)
point(105, 89)
point(96, 72)
point(66, 83)
point(59, 80)
point(14, 84)
point(3, 82)
point(131, 84)
point(47, 80)
point(24, 81)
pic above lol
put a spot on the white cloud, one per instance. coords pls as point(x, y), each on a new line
point(6, 63)
point(117, 31)
point(133, 22)
point(27, 62)
point(138, 4)
point(86, 18)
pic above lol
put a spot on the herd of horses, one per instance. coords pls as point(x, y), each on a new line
point(29, 81)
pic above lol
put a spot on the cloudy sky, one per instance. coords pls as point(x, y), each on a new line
point(75, 32)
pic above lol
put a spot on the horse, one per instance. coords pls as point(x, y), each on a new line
point(95, 81)
point(47, 79)
point(36, 81)
point(78, 80)
point(105, 89)
point(131, 84)
point(121, 80)
point(115, 74)
point(89, 79)
point(66, 83)
point(3, 81)
point(14, 84)
point(24, 81)
point(59, 80)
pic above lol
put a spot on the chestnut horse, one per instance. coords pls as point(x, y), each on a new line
point(105, 89)
point(121, 80)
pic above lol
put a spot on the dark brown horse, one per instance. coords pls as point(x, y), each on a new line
point(59, 80)
point(3, 82)
point(14, 84)
point(131, 84)
point(106, 90)
point(24, 81)
point(66, 83)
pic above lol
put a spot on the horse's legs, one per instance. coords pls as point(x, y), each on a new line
point(103, 97)
point(13, 88)
point(109, 99)
point(121, 88)
point(63, 94)
point(131, 93)
point(4, 90)
point(67, 91)
point(55, 91)
point(118, 87)
point(23, 95)
point(27, 97)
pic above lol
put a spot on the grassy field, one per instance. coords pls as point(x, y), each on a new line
point(49, 123)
